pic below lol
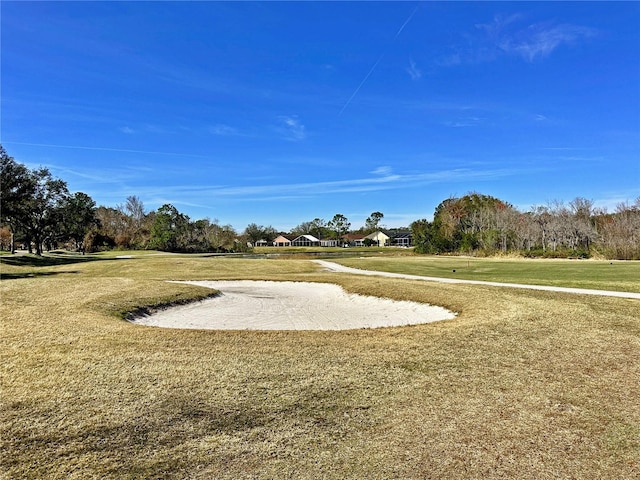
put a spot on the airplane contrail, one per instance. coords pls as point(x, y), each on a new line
point(361, 83)
point(407, 21)
point(377, 61)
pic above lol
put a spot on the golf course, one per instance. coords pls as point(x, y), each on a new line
point(521, 384)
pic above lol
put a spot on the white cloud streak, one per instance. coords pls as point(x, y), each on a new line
point(355, 92)
point(406, 22)
point(104, 149)
point(383, 181)
point(382, 170)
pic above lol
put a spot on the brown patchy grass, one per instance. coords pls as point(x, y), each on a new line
point(523, 384)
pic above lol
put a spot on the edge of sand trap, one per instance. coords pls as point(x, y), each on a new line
point(269, 305)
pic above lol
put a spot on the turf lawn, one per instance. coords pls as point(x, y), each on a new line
point(614, 275)
point(522, 384)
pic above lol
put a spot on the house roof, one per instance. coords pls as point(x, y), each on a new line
point(311, 238)
point(402, 235)
point(282, 238)
point(375, 234)
point(354, 236)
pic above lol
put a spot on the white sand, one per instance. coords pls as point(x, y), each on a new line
point(264, 305)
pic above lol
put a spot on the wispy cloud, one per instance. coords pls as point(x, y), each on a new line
point(539, 40)
point(464, 122)
point(291, 128)
point(383, 180)
point(223, 130)
point(617, 199)
point(382, 170)
point(127, 130)
point(105, 149)
point(495, 29)
point(510, 35)
point(413, 71)
point(565, 148)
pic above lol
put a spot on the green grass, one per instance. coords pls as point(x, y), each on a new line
point(388, 251)
point(593, 274)
point(522, 384)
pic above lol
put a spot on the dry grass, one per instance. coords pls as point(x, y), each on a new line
point(522, 384)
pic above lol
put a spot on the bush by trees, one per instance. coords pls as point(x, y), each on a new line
point(173, 231)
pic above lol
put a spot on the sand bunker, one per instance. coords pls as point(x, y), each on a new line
point(264, 305)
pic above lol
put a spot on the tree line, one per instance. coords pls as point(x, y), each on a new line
point(39, 212)
point(481, 224)
point(39, 208)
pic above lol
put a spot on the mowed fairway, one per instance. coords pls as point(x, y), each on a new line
point(622, 276)
point(522, 384)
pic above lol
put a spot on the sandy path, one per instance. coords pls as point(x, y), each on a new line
point(335, 267)
point(264, 305)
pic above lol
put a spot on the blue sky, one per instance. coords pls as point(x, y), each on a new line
point(280, 112)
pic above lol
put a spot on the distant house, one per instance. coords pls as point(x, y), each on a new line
point(328, 242)
point(401, 239)
point(261, 243)
point(281, 241)
point(305, 241)
point(354, 239)
point(379, 239)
